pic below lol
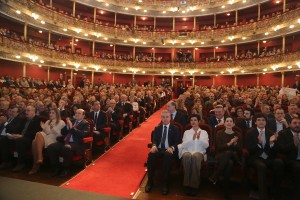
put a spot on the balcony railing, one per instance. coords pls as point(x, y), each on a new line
point(65, 21)
point(10, 48)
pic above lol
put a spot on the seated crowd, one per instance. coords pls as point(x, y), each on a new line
point(60, 122)
point(253, 128)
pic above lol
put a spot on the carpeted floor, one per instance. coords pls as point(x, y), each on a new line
point(119, 172)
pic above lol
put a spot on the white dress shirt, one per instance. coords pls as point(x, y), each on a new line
point(189, 145)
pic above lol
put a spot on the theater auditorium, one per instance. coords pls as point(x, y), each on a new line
point(150, 99)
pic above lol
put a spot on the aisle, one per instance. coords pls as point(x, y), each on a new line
point(119, 171)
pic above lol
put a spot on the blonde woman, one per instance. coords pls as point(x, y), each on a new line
point(51, 130)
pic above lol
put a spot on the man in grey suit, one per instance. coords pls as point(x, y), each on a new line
point(71, 145)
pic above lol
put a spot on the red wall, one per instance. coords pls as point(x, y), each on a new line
point(105, 77)
point(11, 68)
point(224, 80)
point(270, 79)
point(246, 80)
point(35, 71)
point(123, 78)
point(143, 78)
point(204, 80)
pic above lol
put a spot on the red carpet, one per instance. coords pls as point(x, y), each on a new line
point(120, 171)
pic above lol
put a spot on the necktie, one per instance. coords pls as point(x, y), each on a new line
point(219, 121)
point(68, 137)
point(248, 123)
point(172, 116)
point(263, 138)
point(95, 118)
point(163, 139)
point(26, 126)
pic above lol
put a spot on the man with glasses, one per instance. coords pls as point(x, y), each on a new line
point(21, 139)
point(279, 123)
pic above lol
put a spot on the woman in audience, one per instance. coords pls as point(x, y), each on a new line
point(192, 150)
point(228, 147)
point(197, 109)
point(51, 130)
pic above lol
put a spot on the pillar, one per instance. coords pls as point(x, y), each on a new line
point(215, 20)
point(257, 79)
point(172, 80)
point(93, 48)
point(258, 11)
point(235, 50)
point(193, 81)
point(115, 19)
point(235, 80)
point(154, 23)
point(50, 3)
point(213, 84)
point(194, 55)
point(282, 79)
point(153, 80)
point(95, 14)
point(93, 77)
point(173, 54)
point(134, 22)
point(237, 17)
point(48, 73)
point(113, 77)
point(71, 76)
point(133, 53)
point(284, 6)
point(195, 22)
point(74, 8)
point(72, 45)
point(114, 51)
point(283, 44)
point(24, 70)
point(49, 38)
point(173, 23)
point(25, 31)
point(214, 52)
point(258, 48)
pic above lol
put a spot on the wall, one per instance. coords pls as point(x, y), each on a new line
point(224, 80)
point(246, 80)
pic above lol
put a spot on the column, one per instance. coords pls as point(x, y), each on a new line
point(235, 80)
point(25, 31)
point(284, 5)
point(258, 48)
point(282, 79)
point(133, 76)
point(214, 80)
point(153, 80)
point(72, 45)
point(258, 11)
point(193, 81)
point(133, 53)
point(95, 14)
point(72, 74)
point(215, 20)
point(173, 54)
point(93, 77)
point(172, 80)
point(214, 52)
point(114, 51)
point(49, 38)
point(115, 19)
point(173, 23)
point(194, 55)
point(74, 8)
point(195, 22)
point(113, 77)
point(134, 22)
point(154, 23)
point(257, 79)
point(48, 73)
point(24, 70)
point(50, 3)
point(235, 50)
point(283, 44)
point(93, 48)
point(237, 17)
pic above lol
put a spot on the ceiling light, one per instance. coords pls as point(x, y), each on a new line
point(39, 65)
point(244, 1)
point(137, 8)
point(223, 6)
point(105, 38)
point(86, 34)
point(264, 41)
point(35, 16)
point(202, 42)
point(76, 40)
point(184, 19)
point(222, 72)
point(145, 11)
point(228, 14)
point(84, 67)
point(162, 72)
point(64, 65)
point(183, 11)
point(181, 72)
point(125, 41)
point(40, 31)
point(78, 30)
point(77, 65)
point(143, 72)
point(217, 47)
point(42, 61)
point(223, 41)
point(277, 1)
point(265, 70)
point(124, 70)
point(104, 69)
point(243, 71)
point(289, 67)
point(111, 45)
point(18, 12)
point(292, 26)
point(192, 41)
point(42, 22)
point(196, 48)
point(126, 8)
point(231, 2)
point(299, 21)
point(182, 43)
point(107, 4)
point(266, 33)
point(143, 18)
point(18, 57)
point(201, 72)
point(202, 10)
point(164, 12)
point(102, 12)
point(65, 29)
point(243, 38)
point(96, 68)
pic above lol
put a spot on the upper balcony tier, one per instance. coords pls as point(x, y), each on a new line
point(24, 52)
point(170, 8)
point(45, 18)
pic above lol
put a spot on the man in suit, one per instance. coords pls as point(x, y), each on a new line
point(73, 134)
point(260, 143)
point(126, 109)
point(292, 112)
point(100, 121)
point(289, 145)
point(114, 114)
point(278, 123)
point(246, 123)
point(21, 139)
point(64, 113)
point(177, 116)
point(165, 139)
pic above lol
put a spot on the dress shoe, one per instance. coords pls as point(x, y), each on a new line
point(56, 172)
point(148, 187)
point(18, 168)
point(5, 165)
point(64, 173)
point(106, 148)
point(165, 190)
point(35, 169)
point(212, 180)
point(187, 190)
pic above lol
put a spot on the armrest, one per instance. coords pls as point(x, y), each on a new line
point(121, 121)
point(106, 129)
point(87, 140)
point(245, 152)
point(60, 139)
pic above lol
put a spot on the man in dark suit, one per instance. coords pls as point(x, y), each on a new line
point(114, 116)
point(289, 146)
point(71, 145)
point(260, 143)
point(176, 116)
point(126, 109)
point(292, 112)
point(246, 123)
point(21, 139)
point(278, 123)
point(100, 121)
point(64, 113)
point(165, 139)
